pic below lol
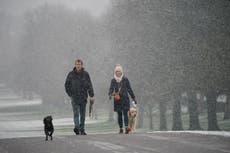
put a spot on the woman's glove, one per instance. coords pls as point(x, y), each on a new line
point(134, 100)
point(134, 103)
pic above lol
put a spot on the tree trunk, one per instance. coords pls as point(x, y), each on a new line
point(202, 105)
point(177, 122)
point(24, 94)
point(140, 121)
point(211, 104)
point(194, 123)
point(150, 118)
point(30, 95)
point(163, 122)
point(227, 108)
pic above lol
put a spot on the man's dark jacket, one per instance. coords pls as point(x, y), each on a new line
point(78, 86)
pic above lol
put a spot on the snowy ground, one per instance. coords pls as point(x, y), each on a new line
point(26, 124)
point(32, 128)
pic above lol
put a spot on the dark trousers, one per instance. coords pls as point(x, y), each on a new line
point(120, 115)
point(79, 111)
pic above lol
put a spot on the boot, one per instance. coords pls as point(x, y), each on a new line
point(127, 130)
point(83, 132)
point(76, 131)
point(121, 131)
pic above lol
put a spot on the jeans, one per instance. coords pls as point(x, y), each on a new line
point(79, 111)
point(120, 118)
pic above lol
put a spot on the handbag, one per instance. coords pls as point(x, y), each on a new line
point(117, 96)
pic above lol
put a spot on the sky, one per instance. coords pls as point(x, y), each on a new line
point(96, 7)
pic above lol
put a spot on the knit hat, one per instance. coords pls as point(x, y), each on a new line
point(118, 67)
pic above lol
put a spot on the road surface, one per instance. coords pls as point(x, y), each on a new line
point(115, 143)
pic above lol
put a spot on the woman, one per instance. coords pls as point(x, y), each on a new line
point(120, 88)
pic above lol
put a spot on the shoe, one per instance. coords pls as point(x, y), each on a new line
point(83, 132)
point(121, 131)
point(127, 130)
point(76, 131)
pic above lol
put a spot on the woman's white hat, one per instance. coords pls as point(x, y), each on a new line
point(118, 67)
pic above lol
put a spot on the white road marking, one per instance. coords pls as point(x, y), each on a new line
point(107, 146)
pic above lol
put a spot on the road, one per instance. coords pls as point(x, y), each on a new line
point(115, 143)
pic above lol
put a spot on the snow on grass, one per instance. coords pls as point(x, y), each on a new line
point(16, 103)
point(31, 128)
point(34, 124)
point(217, 133)
point(8, 96)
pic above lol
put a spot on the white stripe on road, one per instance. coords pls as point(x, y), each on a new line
point(121, 149)
point(107, 146)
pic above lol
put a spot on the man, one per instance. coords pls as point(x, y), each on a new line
point(78, 86)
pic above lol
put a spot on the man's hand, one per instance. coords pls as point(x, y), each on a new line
point(91, 100)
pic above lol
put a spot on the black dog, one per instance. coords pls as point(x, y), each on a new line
point(48, 127)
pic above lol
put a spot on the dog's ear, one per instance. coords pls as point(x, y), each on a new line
point(51, 117)
point(129, 113)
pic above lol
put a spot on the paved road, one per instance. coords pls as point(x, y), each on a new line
point(115, 143)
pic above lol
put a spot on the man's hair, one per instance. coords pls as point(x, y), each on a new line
point(79, 61)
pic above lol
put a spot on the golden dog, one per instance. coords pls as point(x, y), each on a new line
point(132, 118)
